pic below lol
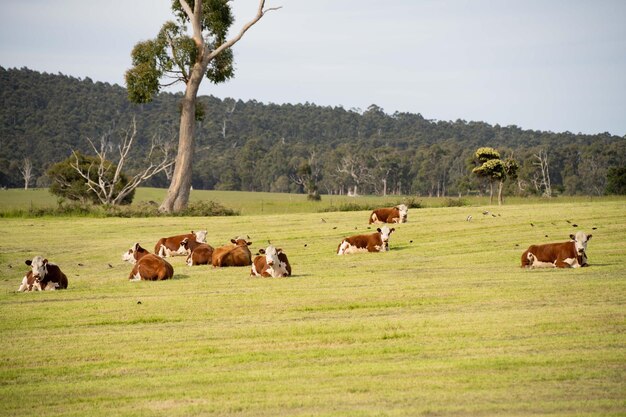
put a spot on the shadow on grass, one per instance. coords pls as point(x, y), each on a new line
point(180, 276)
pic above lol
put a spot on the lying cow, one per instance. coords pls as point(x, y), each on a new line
point(148, 266)
point(43, 276)
point(236, 254)
point(201, 253)
point(572, 254)
point(271, 263)
point(397, 214)
point(374, 242)
point(170, 246)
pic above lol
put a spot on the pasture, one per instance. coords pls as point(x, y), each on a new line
point(445, 323)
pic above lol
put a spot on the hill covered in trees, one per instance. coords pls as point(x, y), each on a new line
point(254, 146)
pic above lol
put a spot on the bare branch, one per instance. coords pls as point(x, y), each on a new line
point(259, 14)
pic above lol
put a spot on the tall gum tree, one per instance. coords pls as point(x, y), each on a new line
point(176, 56)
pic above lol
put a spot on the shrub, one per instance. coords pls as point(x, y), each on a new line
point(454, 202)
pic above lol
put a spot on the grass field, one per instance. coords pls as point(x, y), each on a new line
point(446, 323)
point(250, 203)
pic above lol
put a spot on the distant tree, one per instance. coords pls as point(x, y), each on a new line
point(187, 59)
point(106, 180)
point(27, 171)
point(541, 161)
point(307, 176)
point(616, 180)
point(69, 184)
point(494, 170)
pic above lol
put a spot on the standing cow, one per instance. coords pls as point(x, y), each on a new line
point(397, 214)
point(236, 254)
point(170, 246)
point(374, 242)
point(43, 276)
point(271, 263)
point(572, 254)
point(148, 266)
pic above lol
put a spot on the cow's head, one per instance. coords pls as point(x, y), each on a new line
point(134, 253)
point(404, 212)
point(385, 232)
point(240, 242)
point(271, 255)
point(39, 267)
point(200, 235)
point(580, 240)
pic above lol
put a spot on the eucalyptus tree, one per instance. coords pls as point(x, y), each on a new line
point(175, 56)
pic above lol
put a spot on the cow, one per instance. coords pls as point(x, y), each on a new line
point(271, 263)
point(397, 214)
point(147, 266)
point(43, 276)
point(572, 254)
point(374, 242)
point(201, 253)
point(170, 246)
point(236, 254)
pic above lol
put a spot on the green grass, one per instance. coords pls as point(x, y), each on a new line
point(446, 323)
point(251, 203)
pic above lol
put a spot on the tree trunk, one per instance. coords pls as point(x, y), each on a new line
point(178, 193)
point(490, 192)
point(500, 187)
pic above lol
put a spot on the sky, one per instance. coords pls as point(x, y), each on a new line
point(550, 65)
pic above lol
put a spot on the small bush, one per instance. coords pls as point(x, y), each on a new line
point(411, 203)
point(314, 197)
point(348, 207)
point(454, 202)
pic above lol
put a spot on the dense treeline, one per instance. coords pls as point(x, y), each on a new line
point(290, 148)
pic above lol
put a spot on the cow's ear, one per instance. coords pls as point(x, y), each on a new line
point(28, 262)
point(589, 237)
point(572, 237)
point(248, 243)
point(45, 262)
point(233, 241)
point(136, 247)
point(262, 251)
point(392, 229)
point(379, 231)
point(279, 251)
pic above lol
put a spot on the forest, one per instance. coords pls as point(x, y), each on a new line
point(253, 146)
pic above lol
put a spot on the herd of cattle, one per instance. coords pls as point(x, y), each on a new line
point(273, 262)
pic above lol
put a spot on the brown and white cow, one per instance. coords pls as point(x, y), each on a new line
point(271, 263)
point(170, 246)
point(236, 254)
point(374, 242)
point(148, 266)
point(201, 253)
point(572, 254)
point(43, 275)
point(397, 214)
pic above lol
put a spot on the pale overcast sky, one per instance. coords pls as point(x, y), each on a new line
point(556, 65)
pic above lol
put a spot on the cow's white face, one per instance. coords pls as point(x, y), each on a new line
point(39, 266)
point(385, 232)
point(129, 255)
point(404, 212)
point(200, 235)
point(580, 240)
point(271, 257)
